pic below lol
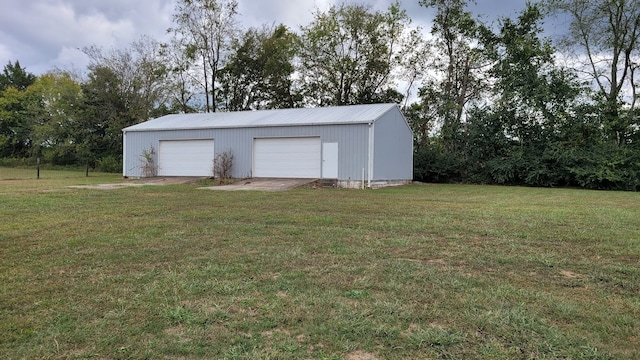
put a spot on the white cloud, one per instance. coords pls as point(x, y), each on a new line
point(59, 24)
point(4, 53)
point(71, 59)
point(42, 34)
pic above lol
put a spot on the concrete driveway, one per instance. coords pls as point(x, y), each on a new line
point(263, 184)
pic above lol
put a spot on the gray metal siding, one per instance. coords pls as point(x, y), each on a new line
point(137, 142)
point(352, 142)
point(393, 148)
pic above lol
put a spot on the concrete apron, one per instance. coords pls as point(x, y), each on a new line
point(263, 184)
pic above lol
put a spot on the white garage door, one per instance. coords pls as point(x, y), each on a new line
point(287, 157)
point(185, 158)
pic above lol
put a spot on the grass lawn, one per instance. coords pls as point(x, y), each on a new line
point(421, 271)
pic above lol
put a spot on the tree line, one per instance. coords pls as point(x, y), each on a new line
point(489, 102)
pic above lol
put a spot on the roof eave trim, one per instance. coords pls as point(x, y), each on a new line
point(248, 126)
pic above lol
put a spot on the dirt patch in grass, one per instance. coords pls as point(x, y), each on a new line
point(105, 186)
point(570, 274)
point(178, 332)
point(361, 355)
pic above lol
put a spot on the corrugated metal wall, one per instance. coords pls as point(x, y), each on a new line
point(352, 142)
point(393, 148)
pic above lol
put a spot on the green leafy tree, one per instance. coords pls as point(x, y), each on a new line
point(105, 113)
point(533, 93)
point(124, 87)
point(349, 53)
point(279, 51)
point(259, 72)
point(606, 34)
point(455, 80)
point(13, 75)
point(141, 73)
point(15, 124)
point(53, 103)
point(421, 122)
point(181, 83)
point(207, 28)
point(414, 58)
point(533, 100)
point(242, 85)
point(458, 67)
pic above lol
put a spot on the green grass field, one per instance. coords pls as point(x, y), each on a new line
point(421, 271)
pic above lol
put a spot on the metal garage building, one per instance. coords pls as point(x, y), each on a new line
point(370, 145)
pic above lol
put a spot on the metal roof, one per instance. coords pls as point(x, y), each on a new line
point(351, 114)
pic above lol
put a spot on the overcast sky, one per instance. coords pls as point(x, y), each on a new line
point(44, 34)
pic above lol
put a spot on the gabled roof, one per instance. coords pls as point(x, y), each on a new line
point(352, 114)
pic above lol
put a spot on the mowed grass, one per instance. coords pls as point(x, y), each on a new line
point(421, 271)
point(21, 180)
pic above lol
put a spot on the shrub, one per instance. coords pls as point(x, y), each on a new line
point(17, 162)
point(149, 167)
point(222, 165)
point(432, 164)
point(109, 164)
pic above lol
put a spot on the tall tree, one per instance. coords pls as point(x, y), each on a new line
point(523, 73)
point(105, 112)
point(182, 76)
point(458, 64)
point(53, 103)
point(606, 33)
point(259, 71)
point(531, 109)
point(15, 124)
point(125, 87)
point(242, 84)
point(141, 74)
point(348, 55)
point(414, 61)
point(279, 51)
point(13, 75)
point(207, 26)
